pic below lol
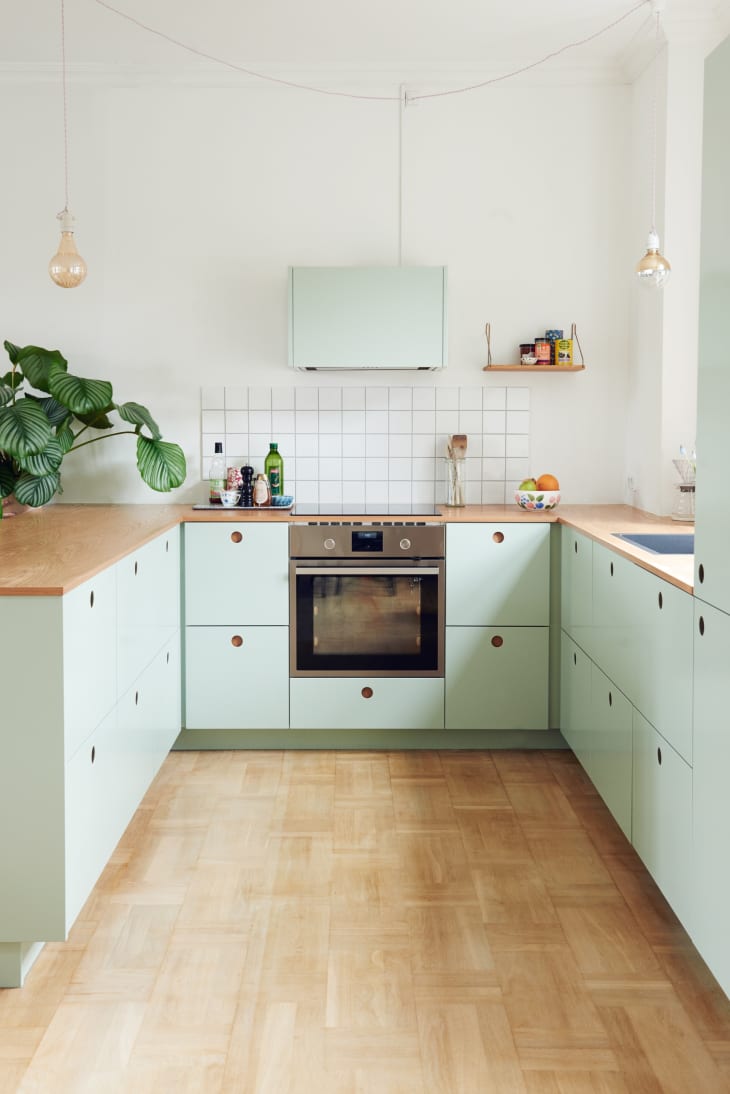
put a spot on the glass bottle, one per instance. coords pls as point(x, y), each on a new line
point(274, 470)
point(217, 475)
point(261, 491)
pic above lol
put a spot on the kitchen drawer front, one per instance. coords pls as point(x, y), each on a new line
point(367, 703)
point(237, 677)
point(149, 723)
point(498, 575)
point(661, 822)
point(576, 714)
point(148, 604)
point(236, 574)
point(609, 752)
point(497, 678)
point(95, 812)
point(662, 681)
point(616, 618)
point(576, 582)
point(89, 656)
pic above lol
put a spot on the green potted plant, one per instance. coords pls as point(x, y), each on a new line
point(62, 413)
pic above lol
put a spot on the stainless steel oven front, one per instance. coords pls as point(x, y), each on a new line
point(366, 598)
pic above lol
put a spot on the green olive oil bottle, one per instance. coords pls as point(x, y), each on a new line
point(274, 470)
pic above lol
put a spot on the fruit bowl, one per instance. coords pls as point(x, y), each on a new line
point(537, 499)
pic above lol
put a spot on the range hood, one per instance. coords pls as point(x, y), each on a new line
point(367, 317)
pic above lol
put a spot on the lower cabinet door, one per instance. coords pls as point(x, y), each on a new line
point(93, 818)
point(237, 677)
point(361, 703)
point(575, 698)
point(497, 678)
point(711, 801)
point(661, 828)
point(609, 753)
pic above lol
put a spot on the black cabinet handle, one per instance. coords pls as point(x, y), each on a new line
point(702, 624)
point(659, 756)
point(660, 600)
point(701, 573)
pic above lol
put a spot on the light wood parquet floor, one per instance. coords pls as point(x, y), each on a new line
point(370, 923)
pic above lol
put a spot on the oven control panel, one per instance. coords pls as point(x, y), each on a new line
point(349, 540)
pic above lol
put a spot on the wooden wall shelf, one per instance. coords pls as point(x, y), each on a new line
point(533, 368)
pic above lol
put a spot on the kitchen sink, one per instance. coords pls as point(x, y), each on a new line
point(661, 543)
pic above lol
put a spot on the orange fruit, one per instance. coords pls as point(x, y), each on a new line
point(548, 482)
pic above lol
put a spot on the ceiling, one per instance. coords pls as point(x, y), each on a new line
point(478, 34)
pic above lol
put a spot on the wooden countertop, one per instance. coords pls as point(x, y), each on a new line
point(47, 552)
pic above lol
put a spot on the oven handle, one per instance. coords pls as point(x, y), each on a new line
point(367, 571)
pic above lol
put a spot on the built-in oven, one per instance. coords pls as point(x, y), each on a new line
point(366, 598)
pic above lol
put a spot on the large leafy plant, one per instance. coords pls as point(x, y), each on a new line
point(62, 413)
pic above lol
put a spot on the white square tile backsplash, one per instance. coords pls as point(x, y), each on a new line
point(373, 445)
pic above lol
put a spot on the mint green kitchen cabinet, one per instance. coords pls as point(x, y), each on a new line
point(357, 317)
point(576, 582)
point(498, 575)
point(711, 796)
point(74, 768)
point(642, 639)
point(497, 677)
point(661, 829)
point(712, 532)
point(237, 678)
point(237, 633)
point(367, 703)
point(236, 574)
point(609, 747)
point(148, 604)
point(88, 617)
point(576, 710)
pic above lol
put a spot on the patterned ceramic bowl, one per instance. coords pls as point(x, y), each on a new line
point(537, 499)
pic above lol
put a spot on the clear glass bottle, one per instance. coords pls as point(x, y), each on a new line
point(274, 469)
point(217, 475)
point(261, 491)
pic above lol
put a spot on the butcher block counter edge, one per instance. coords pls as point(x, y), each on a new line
point(49, 551)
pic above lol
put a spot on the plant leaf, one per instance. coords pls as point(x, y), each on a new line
point(80, 395)
point(39, 365)
point(56, 413)
point(13, 379)
point(24, 429)
point(7, 478)
point(43, 463)
point(6, 393)
point(12, 351)
point(36, 490)
point(161, 464)
point(98, 419)
point(65, 438)
point(139, 415)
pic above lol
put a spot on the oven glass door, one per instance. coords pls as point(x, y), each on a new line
point(377, 619)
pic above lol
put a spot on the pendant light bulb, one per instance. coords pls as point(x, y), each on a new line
point(653, 270)
point(67, 268)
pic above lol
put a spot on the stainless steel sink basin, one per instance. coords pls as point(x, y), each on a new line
point(661, 543)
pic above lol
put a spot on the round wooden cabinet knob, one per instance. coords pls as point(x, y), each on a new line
point(497, 641)
point(236, 641)
point(236, 537)
point(498, 537)
point(367, 693)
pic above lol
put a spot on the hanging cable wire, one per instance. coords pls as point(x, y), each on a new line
point(355, 95)
point(64, 80)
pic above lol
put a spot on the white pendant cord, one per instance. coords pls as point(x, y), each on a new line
point(354, 95)
point(655, 96)
point(402, 104)
point(64, 80)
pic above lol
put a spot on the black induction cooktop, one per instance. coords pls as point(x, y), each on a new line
point(303, 509)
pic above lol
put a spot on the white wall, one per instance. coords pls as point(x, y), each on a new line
point(193, 200)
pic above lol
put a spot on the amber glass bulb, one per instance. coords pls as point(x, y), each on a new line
point(653, 270)
point(67, 268)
